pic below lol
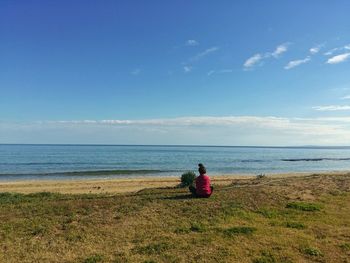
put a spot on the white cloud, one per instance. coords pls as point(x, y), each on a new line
point(204, 53)
point(136, 71)
point(252, 61)
point(332, 119)
point(334, 50)
point(295, 63)
point(347, 97)
point(192, 42)
point(332, 108)
point(331, 51)
point(221, 71)
point(257, 58)
point(338, 58)
point(280, 50)
point(187, 69)
point(314, 50)
point(268, 121)
point(224, 130)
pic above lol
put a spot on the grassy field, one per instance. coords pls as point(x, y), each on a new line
point(295, 219)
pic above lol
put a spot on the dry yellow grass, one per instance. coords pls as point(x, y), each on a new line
point(274, 219)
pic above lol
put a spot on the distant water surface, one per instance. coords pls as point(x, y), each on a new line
point(18, 162)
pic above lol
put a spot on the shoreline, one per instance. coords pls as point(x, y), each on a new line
point(127, 185)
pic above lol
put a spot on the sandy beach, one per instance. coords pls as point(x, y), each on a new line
point(122, 185)
point(96, 186)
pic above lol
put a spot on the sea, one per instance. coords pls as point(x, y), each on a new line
point(67, 162)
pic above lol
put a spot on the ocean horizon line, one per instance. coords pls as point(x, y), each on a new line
point(185, 145)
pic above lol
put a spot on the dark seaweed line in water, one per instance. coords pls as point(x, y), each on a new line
point(58, 163)
point(92, 173)
point(315, 159)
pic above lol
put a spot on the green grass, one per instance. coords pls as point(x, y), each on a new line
point(311, 251)
point(268, 213)
point(345, 246)
point(93, 259)
point(153, 249)
point(303, 206)
point(295, 225)
point(258, 222)
point(239, 230)
point(266, 257)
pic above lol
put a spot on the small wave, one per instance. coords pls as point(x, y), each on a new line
point(253, 161)
point(315, 159)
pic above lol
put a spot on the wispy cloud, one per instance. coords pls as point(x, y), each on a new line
point(192, 42)
point(337, 49)
point(187, 66)
point(204, 54)
point(280, 50)
point(267, 121)
point(331, 51)
point(338, 58)
point(332, 108)
point(135, 72)
point(259, 57)
point(314, 50)
point(187, 69)
point(221, 71)
point(347, 97)
point(252, 61)
point(295, 63)
point(211, 72)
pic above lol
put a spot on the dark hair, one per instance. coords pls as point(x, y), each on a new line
point(201, 169)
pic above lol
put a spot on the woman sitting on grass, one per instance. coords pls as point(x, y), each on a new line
point(203, 188)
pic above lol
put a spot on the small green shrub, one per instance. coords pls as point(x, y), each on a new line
point(93, 259)
point(345, 246)
point(266, 257)
point(311, 251)
point(237, 230)
point(10, 198)
point(182, 230)
point(73, 237)
point(44, 195)
point(197, 227)
point(38, 230)
point(268, 213)
point(295, 225)
point(153, 249)
point(261, 176)
point(187, 179)
point(15, 198)
point(120, 257)
point(304, 206)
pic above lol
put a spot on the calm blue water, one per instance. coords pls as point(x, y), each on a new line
point(18, 162)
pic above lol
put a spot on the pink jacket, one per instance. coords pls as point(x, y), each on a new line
point(203, 185)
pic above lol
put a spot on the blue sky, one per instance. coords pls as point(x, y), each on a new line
point(175, 72)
